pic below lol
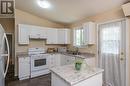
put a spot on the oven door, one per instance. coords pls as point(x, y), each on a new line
point(39, 62)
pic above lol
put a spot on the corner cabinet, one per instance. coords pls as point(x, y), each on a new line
point(23, 34)
point(89, 31)
point(63, 36)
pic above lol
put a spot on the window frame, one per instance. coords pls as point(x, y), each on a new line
point(82, 45)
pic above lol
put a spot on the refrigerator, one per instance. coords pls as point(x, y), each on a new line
point(4, 57)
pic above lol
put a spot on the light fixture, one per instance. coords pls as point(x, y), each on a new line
point(43, 3)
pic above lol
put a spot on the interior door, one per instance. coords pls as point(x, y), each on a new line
point(111, 57)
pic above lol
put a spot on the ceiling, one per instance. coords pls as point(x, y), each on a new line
point(68, 11)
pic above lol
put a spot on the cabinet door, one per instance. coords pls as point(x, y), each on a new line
point(61, 36)
point(91, 61)
point(51, 61)
point(89, 33)
point(63, 60)
point(23, 34)
point(70, 60)
point(67, 36)
point(24, 63)
point(51, 36)
point(57, 59)
point(37, 32)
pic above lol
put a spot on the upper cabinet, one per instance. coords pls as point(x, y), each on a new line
point(52, 36)
point(23, 34)
point(89, 32)
point(63, 36)
point(37, 32)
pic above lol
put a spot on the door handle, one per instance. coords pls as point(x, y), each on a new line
point(122, 56)
point(7, 65)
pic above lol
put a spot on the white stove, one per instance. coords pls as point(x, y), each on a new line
point(39, 62)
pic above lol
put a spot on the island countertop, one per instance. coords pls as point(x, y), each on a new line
point(72, 76)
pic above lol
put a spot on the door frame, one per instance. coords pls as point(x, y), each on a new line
point(127, 53)
point(12, 44)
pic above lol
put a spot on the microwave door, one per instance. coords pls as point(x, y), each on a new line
point(3, 68)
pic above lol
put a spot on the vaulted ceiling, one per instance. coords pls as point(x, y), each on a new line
point(68, 11)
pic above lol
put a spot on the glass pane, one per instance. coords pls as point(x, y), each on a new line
point(40, 62)
point(111, 40)
point(79, 39)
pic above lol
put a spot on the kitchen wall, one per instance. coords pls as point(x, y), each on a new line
point(9, 27)
point(116, 13)
point(22, 17)
point(26, 18)
point(113, 14)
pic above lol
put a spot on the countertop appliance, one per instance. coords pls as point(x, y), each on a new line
point(51, 50)
point(3, 65)
point(39, 62)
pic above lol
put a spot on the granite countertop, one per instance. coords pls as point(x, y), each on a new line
point(82, 55)
point(71, 76)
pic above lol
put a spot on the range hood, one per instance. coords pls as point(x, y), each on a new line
point(37, 37)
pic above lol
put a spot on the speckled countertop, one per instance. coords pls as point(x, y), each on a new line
point(71, 76)
point(82, 55)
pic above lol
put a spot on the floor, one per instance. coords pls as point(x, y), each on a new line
point(38, 81)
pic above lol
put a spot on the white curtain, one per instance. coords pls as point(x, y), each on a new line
point(110, 47)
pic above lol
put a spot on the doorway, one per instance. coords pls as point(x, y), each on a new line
point(10, 41)
point(112, 52)
point(10, 73)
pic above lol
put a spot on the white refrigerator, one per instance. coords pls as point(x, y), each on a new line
point(3, 63)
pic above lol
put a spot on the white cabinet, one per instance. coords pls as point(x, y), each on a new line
point(66, 60)
point(89, 30)
point(67, 36)
point(54, 60)
point(37, 32)
point(91, 61)
point(63, 36)
point(93, 80)
point(52, 36)
point(24, 68)
point(23, 34)
point(69, 60)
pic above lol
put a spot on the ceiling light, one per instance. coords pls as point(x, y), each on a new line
point(44, 3)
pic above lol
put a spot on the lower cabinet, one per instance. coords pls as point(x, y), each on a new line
point(66, 60)
point(60, 60)
point(24, 68)
point(91, 61)
point(54, 60)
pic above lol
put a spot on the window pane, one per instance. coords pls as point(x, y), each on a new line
point(111, 40)
point(78, 37)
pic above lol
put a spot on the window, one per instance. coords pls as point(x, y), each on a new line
point(78, 37)
point(110, 38)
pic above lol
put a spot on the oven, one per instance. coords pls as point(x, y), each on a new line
point(39, 64)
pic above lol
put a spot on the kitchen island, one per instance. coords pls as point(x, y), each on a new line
point(68, 76)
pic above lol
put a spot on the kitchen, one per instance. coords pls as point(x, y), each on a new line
point(46, 44)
